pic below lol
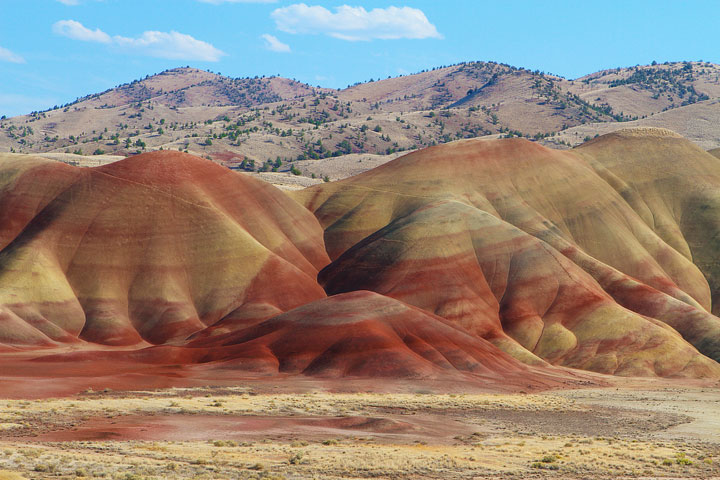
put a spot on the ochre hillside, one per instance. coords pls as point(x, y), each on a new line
point(482, 261)
point(539, 251)
point(171, 250)
point(360, 334)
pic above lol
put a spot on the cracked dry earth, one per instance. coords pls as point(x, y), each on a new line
point(643, 431)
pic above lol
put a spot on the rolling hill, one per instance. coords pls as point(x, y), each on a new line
point(481, 260)
point(278, 124)
point(580, 258)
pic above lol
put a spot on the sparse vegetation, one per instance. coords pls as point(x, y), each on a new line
point(521, 448)
point(293, 121)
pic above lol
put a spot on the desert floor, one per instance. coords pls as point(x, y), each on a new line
point(632, 429)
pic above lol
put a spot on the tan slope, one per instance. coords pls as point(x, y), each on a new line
point(697, 122)
point(263, 119)
point(152, 248)
point(520, 99)
point(672, 184)
point(650, 89)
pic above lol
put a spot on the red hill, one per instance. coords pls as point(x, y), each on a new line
point(150, 249)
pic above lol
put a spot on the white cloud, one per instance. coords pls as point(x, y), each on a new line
point(218, 2)
point(73, 3)
point(275, 45)
point(172, 45)
point(355, 23)
point(8, 56)
point(77, 31)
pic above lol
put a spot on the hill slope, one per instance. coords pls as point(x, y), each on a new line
point(544, 253)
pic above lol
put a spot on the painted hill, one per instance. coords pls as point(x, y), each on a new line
point(539, 251)
point(171, 250)
point(278, 124)
point(359, 334)
point(146, 250)
point(482, 260)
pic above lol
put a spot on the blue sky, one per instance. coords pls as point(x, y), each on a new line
point(52, 51)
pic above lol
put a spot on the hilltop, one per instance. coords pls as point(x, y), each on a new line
point(280, 124)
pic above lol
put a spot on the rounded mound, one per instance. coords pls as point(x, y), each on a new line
point(364, 334)
point(357, 334)
point(543, 252)
point(153, 248)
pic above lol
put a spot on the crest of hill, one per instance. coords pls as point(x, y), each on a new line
point(638, 132)
point(483, 85)
point(190, 87)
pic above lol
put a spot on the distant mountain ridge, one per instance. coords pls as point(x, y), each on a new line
point(271, 123)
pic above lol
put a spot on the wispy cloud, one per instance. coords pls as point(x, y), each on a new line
point(172, 45)
point(8, 56)
point(73, 3)
point(355, 23)
point(275, 45)
point(218, 2)
point(77, 31)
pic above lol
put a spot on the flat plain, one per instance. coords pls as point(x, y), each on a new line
point(632, 429)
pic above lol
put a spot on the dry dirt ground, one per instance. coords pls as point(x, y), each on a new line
point(634, 429)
